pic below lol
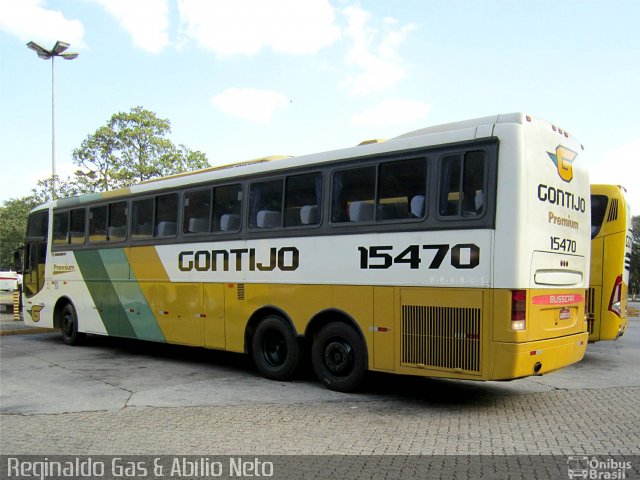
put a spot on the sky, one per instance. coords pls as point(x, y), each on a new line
point(242, 79)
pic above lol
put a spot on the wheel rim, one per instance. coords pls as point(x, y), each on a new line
point(274, 349)
point(67, 325)
point(338, 357)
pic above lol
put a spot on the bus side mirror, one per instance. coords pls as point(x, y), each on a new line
point(17, 260)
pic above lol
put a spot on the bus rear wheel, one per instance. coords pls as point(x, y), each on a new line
point(69, 326)
point(338, 357)
point(275, 349)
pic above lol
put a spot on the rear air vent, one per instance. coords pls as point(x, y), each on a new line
point(613, 211)
point(441, 337)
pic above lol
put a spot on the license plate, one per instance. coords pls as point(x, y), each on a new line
point(565, 314)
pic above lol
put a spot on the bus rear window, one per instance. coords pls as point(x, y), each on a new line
point(598, 209)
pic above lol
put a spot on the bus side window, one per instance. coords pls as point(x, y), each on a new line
point(98, 224)
point(227, 208)
point(77, 225)
point(353, 195)
point(117, 230)
point(166, 215)
point(462, 184)
point(401, 189)
point(303, 194)
point(60, 228)
point(142, 218)
point(265, 209)
point(197, 211)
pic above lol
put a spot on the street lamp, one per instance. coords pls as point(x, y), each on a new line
point(57, 51)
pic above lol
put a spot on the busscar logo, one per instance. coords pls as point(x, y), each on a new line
point(563, 160)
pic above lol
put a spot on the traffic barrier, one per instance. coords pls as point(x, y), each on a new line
point(16, 306)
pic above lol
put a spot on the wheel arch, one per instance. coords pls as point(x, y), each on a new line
point(59, 307)
point(258, 316)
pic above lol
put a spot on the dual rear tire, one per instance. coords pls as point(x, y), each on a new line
point(338, 357)
point(338, 354)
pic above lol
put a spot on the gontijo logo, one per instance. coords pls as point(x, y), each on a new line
point(563, 160)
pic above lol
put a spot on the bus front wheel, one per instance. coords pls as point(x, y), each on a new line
point(69, 326)
point(338, 357)
point(275, 349)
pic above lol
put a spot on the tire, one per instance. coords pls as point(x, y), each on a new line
point(339, 357)
point(69, 326)
point(275, 349)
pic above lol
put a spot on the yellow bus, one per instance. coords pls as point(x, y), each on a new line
point(611, 234)
point(457, 251)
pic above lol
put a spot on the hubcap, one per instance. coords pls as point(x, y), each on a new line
point(274, 349)
point(338, 356)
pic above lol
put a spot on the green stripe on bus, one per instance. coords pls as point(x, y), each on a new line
point(103, 293)
point(136, 308)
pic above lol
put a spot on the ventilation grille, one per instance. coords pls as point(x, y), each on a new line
point(442, 337)
point(241, 291)
point(613, 211)
point(590, 305)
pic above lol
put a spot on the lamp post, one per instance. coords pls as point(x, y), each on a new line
point(57, 51)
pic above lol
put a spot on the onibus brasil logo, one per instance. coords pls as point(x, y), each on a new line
point(595, 468)
point(563, 160)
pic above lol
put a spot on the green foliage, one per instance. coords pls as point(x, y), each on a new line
point(64, 188)
point(13, 225)
point(132, 147)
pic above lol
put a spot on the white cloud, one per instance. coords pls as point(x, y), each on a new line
point(147, 21)
point(249, 103)
point(391, 112)
point(618, 167)
point(373, 53)
point(247, 26)
point(29, 20)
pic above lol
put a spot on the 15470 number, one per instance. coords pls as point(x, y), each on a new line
point(563, 244)
point(463, 256)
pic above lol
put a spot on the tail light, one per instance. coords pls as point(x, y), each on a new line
point(518, 309)
point(615, 304)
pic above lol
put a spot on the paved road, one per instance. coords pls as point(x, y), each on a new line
point(113, 396)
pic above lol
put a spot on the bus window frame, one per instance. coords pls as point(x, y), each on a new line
point(253, 231)
point(182, 206)
point(489, 187)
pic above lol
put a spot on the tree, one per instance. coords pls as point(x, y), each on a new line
point(13, 226)
point(64, 189)
point(130, 148)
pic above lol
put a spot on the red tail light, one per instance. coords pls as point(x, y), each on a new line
point(518, 309)
point(615, 304)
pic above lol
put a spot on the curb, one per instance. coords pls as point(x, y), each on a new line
point(25, 331)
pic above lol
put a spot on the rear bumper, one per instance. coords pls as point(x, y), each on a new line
point(515, 360)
